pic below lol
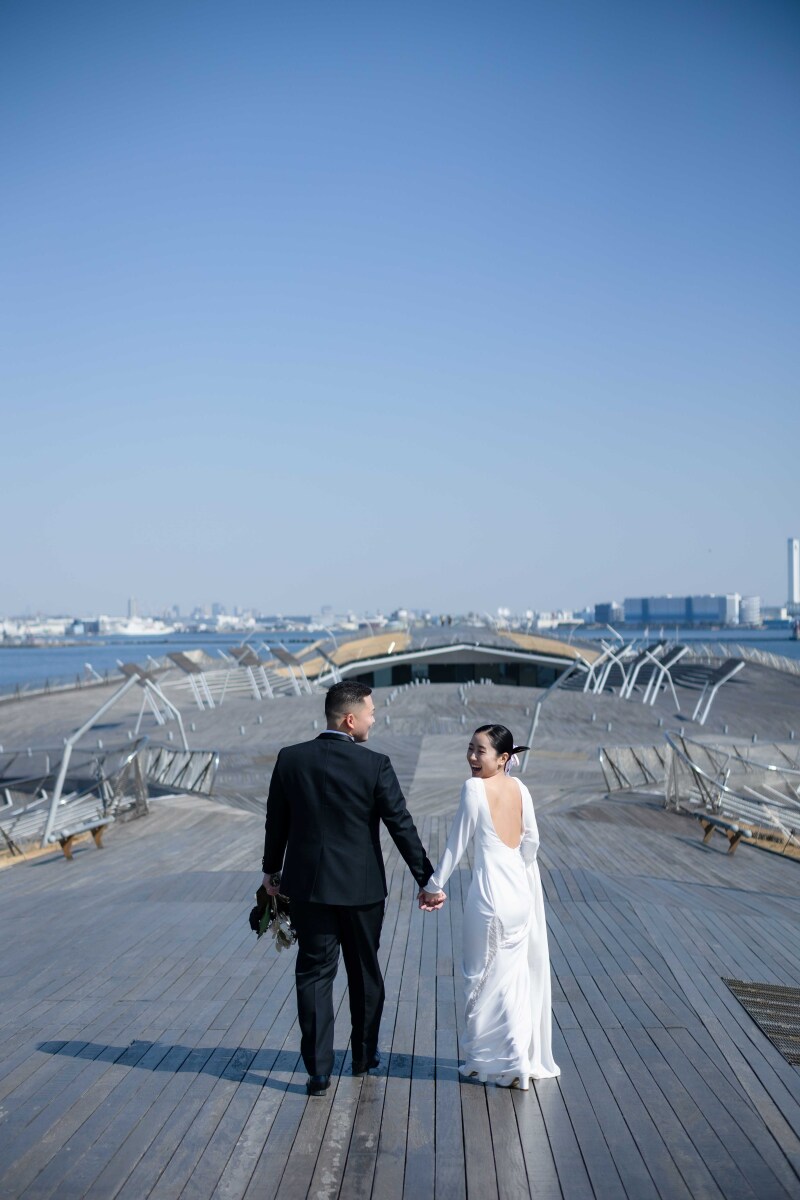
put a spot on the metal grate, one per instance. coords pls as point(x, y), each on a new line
point(776, 1011)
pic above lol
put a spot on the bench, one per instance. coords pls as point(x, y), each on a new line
point(74, 817)
point(733, 832)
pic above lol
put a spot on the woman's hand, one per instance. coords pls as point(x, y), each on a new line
point(431, 901)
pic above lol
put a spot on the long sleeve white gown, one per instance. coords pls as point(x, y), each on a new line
point(506, 962)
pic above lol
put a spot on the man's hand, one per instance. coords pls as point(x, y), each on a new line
point(431, 901)
point(271, 888)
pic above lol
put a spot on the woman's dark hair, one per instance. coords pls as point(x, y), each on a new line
point(343, 697)
point(501, 739)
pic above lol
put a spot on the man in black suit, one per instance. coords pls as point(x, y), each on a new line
point(322, 848)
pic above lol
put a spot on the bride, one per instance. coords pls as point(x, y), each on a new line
point(506, 963)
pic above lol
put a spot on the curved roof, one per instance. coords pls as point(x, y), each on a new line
point(443, 643)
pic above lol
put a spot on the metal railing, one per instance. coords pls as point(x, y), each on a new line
point(103, 782)
point(701, 777)
point(180, 770)
point(632, 767)
point(764, 658)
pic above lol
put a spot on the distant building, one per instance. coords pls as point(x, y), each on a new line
point(555, 620)
point(794, 572)
point(750, 610)
point(217, 609)
point(608, 614)
point(682, 610)
point(133, 608)
point(714, 610)
point(81, 626)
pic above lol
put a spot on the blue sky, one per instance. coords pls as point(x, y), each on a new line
point(377, 304)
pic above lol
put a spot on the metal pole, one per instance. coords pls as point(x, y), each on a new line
point(553, 686)
point(68, 747)
point(202, 681)
point(141, 714)
point(266, 682)
point(195, 693)
point(148, 684)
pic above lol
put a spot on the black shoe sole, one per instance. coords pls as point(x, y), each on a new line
point(365, 1068)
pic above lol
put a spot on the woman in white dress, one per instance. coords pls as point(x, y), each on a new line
point(506, 962)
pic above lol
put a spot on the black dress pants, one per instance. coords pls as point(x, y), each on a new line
point(321, 930)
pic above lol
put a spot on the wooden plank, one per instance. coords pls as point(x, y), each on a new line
point(699, 1126)
point(636, 1179)
point(699, 1074)
point(665, 1077)
point(420, 1144)
point(538, 1153)
point(404, 973)
point(598, 1160)
point(479, 1167)
point(509, 1158)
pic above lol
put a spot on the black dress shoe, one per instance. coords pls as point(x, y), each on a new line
point(317, 1085)
point(361, 1068)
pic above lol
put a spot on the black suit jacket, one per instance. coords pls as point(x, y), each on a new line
point(326, 800)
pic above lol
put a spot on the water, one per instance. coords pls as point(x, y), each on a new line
point(34, 666)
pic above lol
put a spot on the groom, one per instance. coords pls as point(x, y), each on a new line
point(326, 800)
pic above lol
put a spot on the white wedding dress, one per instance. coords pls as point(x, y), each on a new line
point(505, 957)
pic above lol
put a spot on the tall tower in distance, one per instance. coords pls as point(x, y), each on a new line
point(794, 572)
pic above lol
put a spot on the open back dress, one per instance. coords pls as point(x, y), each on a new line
point(506, 962)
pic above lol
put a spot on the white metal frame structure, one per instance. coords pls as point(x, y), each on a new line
point(577, 665)
point(647, 653)
point(590, 681)
point(600, 669)
point(255, 669)
point(632, 767)
point(292, 663)
point(661, 672)
point(731, 667)
point(180, 770)
point(777, 813)
point(196, 677)
point(134, 675)
point(334, 674)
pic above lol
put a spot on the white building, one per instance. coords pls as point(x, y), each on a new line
point(750, 610)
point(794, 571)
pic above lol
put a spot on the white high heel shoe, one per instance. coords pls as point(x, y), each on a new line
point(512, 1081)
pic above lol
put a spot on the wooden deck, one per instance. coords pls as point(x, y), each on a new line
point(150, 1049)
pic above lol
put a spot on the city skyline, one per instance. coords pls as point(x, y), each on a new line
point(461, 306)
point(204, 609)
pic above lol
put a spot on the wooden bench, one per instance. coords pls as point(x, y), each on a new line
point(733, 832)
point(74, 817)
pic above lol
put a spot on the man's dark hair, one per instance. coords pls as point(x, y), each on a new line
point(342, 697)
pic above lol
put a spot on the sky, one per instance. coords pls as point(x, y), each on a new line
point(397, 304)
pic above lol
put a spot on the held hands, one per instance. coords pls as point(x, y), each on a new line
point(431, 901)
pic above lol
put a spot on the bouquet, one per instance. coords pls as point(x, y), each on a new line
point(271, 915)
